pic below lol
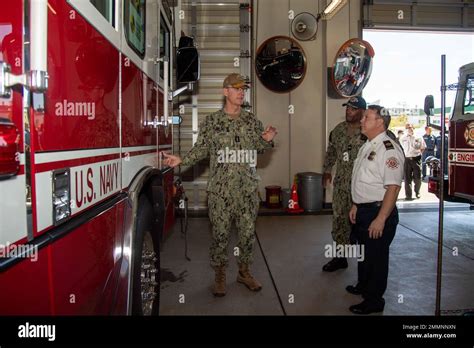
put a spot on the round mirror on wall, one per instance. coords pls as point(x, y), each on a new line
point(352, 67)
point(280, 64)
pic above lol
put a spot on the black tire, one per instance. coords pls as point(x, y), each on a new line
point(144, 262)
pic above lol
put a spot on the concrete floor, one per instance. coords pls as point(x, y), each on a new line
point(293, 247)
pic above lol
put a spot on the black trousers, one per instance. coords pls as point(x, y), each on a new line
point(412, 172)
point(373, 270)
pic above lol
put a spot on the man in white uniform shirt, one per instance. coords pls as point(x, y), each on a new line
point(413, 147)
point(376, 182)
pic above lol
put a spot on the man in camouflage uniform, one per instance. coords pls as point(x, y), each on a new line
point(345, 141)
point(231, 138)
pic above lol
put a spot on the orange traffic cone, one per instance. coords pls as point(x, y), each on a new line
point(293, 205)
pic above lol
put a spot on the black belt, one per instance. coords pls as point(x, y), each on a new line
point(369, 205)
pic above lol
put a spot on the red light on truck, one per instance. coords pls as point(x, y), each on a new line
point(433, 186)
point(9, 155)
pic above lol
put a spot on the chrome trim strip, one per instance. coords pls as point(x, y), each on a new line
point(26, 122)
point(120, 114)
point(47, 157)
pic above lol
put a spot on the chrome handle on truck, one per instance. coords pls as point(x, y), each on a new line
point(35, 81)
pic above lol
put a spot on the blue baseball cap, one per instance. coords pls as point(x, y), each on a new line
point(356, 103)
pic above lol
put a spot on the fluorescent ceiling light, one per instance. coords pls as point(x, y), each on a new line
point(333, 8)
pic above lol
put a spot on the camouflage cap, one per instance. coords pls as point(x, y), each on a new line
point(236, 81)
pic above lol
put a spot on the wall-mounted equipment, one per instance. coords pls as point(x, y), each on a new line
point(352, 67)
point(280, 64)
point(304, 26)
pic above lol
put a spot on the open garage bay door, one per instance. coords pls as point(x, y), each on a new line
point(433, 15)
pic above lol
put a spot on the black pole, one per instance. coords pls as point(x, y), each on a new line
point(439, 269)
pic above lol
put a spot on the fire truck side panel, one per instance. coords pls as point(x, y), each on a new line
point(11, 52)
point(82, 97)
point(86, 266)
point(98, 124)
point(135, 98)
point(461, 160)
point(12, 191)
point(120, 295)
point(139, 136)
point(81, 112)
point(451, 167)
point(13, 212)
point(92, 182)
point(25, 287)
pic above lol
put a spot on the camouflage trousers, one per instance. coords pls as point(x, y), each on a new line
point(223, 210)
point(341, 205)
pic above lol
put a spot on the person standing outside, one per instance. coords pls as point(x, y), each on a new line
point(376, 182)
point(233, 183)
point(430, 143)
point(344, 143)
point(400, 134)
point(413, 147)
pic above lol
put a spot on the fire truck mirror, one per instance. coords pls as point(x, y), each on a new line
point(352, 67)
point(187, 65)
point(429, 105)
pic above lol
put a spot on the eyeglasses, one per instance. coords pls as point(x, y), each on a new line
point(238, 88)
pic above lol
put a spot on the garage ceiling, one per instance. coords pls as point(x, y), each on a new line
point(434, 15)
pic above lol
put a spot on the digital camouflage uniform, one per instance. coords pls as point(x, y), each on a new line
point(342, 152)
point(232, 187)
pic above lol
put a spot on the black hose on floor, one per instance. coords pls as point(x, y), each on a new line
point(271, 275)
point(181, 202)
point(185, 231)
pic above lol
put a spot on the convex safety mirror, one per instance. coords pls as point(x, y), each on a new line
point(280, 64)
point(352, 67)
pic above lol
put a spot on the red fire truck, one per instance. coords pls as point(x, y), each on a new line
point(85, 87)
point(459, 156)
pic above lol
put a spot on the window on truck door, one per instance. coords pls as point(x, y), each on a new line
point(468, 105)
point(164, 45)
point(106, 9)
point(134, 25)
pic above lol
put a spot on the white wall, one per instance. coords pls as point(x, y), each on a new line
point(302, 137)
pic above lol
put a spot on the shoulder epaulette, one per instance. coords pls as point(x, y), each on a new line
point(388, 145)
